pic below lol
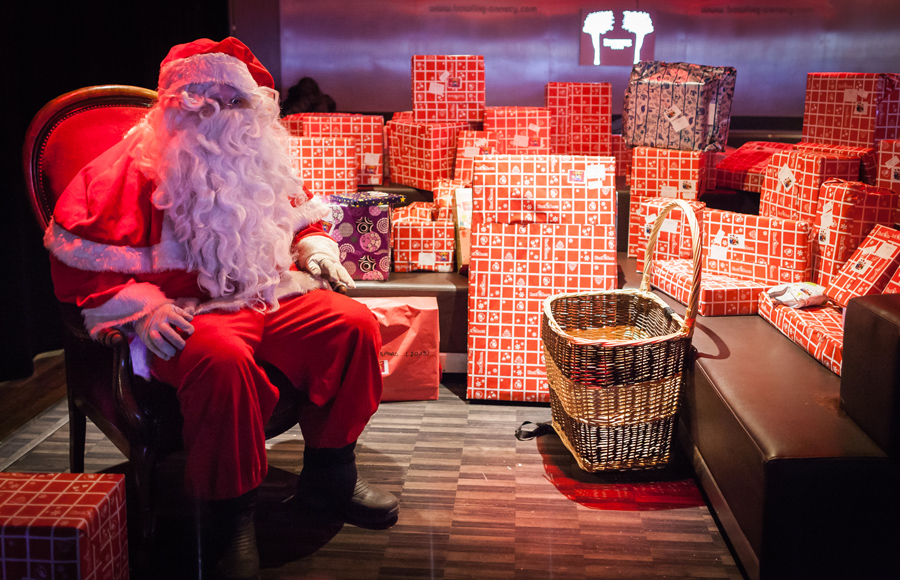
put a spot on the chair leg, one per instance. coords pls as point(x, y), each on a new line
point(77, 433)
point(143, 465)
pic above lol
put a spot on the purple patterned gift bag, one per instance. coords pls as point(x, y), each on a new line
point(360, 223)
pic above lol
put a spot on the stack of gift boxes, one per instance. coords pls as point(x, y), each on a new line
point(828, 205)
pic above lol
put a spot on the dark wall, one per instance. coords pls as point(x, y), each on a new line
point(50, 49)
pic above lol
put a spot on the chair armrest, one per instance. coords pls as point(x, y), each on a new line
point(870, 371)
point(123, 379)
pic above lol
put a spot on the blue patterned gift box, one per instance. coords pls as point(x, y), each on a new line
point(678, 106)
point(360, 223)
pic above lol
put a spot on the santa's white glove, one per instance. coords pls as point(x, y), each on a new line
point(320, 256)
point(158, 330)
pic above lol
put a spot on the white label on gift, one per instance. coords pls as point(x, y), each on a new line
point(680, 124)
point(886, 250)
point(534, 128)
point(786, 177)
point(444, 76)
point(827, 215)
point(669, 226)
point(595, 175)
point(471, 151)
point(720, 237)
point(436, 88)
point(717, 252)
point(892, 161)
point(851, 95)
point(426, 259)
point(520, 141)
point(371, 159)
point(668, 191)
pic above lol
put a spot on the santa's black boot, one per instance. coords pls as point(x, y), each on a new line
point(329, 478)
point(230, 550)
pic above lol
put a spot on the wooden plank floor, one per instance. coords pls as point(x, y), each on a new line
point(475, 502)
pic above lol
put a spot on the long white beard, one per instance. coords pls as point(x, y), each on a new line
point(226, 183)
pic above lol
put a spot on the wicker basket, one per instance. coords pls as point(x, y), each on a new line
point(615, 365)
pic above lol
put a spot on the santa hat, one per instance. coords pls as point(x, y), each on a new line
point(227, 62)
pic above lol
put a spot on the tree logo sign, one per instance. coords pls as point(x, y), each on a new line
point(616, 37)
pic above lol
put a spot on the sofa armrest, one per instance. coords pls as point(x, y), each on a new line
point(870, 373)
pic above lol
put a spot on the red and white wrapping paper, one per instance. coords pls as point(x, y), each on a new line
point(855, 109)
point(420, 244)
point(720, 295)
point(888, 164)
point(847, 212)
point(448, 88)
point(422, 153)
point(444, 191)
point(580, 117)
point(672, 173)
point(868, 166)
point(513, 268)
point(470, 144)
point(893, 285)
point(819, 330)
point(544, 189)
point(326, 165)
point(869, 269)
point(674, 239)
point(417, 210)
point(520, 130)
point(366, 130)
point(793, 178)
point(767, 250)
point(63, 525)
point(744, 169)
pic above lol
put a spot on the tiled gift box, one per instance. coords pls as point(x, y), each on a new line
point(888, 167)
point(420, 244)
point(63, 525)
point(361, 225)
point(367, 130)
point(469, 145)
point(847, 212)
point(544, 189)
point(672, 173)
point(869, 269)
point(417, 210)
point(448, 88)
point(623, 156)
point(327, 165)
point(580, 117)
point(520, 130)
point(745, 168)
point(893, 285)
point(678, 106)
point(868, 166)
point(793, 178)
point(855, 109)
point(819, 330)
point(674, 238)
point(443, 193)
point(720, 295)
point(513, 268)
point(422, 153)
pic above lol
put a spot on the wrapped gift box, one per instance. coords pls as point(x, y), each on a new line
point(444, 190)
point(674, 239)
point(672, 173)
point(678, 106)
point(417, 210)
point(63, 525)
point(622, 153)
point(847, 212)
point(819, 330)
point(893, 285)
point(580, 118)
point(366, 130)
point(888, 167)
point(326, 165)
point(868, 166)
point(421, 244)
point(470, 144)
point(744, 169)
point(855, 109)
point(793, 178)
point(720, 295)
point(869, 269)
point(361, 225)
point(422, 153)
point(448, 88)
point(520, 130)
point(544, 189)
point(513, 268)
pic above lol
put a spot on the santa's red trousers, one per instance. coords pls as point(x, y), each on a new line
point(327, 345)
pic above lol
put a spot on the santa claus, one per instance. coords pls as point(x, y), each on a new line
point(188, 235)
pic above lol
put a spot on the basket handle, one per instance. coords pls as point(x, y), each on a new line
point(696, 247)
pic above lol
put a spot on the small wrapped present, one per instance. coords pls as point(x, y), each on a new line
point(470, 144)
point(448, 88)
point(744, 169)
point(580, 118)
point(819, 330)
point(793, 178)
point(868, 166)
point(326, 165)
point(520, 130)
point(672, 173)
point(720, 294)
point(421, 244)
point(869, 269)
point(361, 225)
point(422, 153)
point(674, 238)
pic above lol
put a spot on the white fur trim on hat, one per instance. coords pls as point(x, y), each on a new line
point(214, 67)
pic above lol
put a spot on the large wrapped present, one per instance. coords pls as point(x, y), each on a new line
point(327, 165)
point(674, 238)
point(762, 249)
point(448, 88)
point(672, 173)
point(819, 330)
point(520, 130)
point(514, 267)
point(869, 269)
point(469, 145)
point(366, 130)
point(720, 295)
point(623, 155)
point(544, 189)
point(855, 109)
point(744, 168)
point(63, 525)
point(422, 153)
point(868, 165)
point(580, 118)
point(678, 106)
point(793, 178)
point(421, 244)
point(847, 212)
point(361, 225)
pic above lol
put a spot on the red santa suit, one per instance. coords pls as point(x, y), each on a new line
point(113, 253)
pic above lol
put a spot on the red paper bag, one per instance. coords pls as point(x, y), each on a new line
point(410, 346)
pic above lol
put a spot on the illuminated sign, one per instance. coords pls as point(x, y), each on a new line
point(616, 37)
